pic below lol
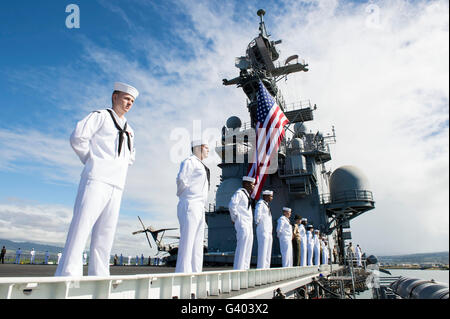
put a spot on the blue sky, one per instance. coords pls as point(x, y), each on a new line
point(176, 53)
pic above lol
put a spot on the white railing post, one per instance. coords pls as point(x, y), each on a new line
point(201, 286)
point(166, 286)
point(251, 278)
point(244, 279)
point(213, 284)
point(225, 279)
point(235, 281)
point(185, 286)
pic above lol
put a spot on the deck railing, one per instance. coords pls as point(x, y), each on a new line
point(152, 286)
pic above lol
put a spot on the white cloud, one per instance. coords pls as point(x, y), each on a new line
point(34, 222)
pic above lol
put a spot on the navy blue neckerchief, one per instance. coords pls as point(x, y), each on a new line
point(121, 132)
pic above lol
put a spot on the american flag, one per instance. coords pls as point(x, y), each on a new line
point(269, 134)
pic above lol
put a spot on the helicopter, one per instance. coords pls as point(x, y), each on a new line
point(158, 235)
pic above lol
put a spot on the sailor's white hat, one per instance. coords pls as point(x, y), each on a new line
point(198, 143)
point(316, 230)
point(122, 87)
point(267, 192)
point(248, 179)
point(286, 209)
point(304, 219)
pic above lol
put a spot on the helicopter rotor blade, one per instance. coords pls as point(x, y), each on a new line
point(146, 234)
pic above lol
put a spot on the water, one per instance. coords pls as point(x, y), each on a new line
point(441, 276)
point(438, 275)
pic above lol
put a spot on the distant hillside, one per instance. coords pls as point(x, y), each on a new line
point(26, 246)
point(437, 258)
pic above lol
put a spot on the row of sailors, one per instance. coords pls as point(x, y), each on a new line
point(117, 260)
point(308, 245)
point(32, 256)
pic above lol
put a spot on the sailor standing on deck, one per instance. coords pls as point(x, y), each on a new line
point(296, 241)
point(358, 254)
point(18, 253)
point(303, 241)
point(324, 252)
point(310, 244)
point(104, 142)
point(285, 235)
point(32, 253)
point(263, 221)
point(192, 191)
point(2, 254)
point(316, 240)
point(241, 216)
point(350, 253)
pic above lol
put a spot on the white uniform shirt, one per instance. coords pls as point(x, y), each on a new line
point(192, 181)
point(96, 141)
point(284, 228)
point(316, 242)
point(239, 207)
point(309, 238)
point(302, 231)
point(324, 249)
point(263, 217)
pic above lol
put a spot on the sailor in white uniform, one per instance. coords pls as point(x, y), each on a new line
point(192, 191)
point(358, 254)
point(104, 142)
point(32, 253)
point(263, 221)
point(285, 235)
point(18, 253)
point(241, 216)
point(303, 241)
point(310, 245)
point(324, 246)
point(316, 240)
point(47, 256)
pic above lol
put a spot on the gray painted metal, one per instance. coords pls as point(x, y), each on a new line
point(413, 288)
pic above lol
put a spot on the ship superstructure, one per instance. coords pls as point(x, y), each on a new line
point(298, 176)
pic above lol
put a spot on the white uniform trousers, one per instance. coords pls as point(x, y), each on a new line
point(287, 257)
point(316, 256)
point(96, 207)
point(310, 255)
point(303, 253)
point(191, 216)
point(264, 249)
point(325, 256)
point(243, 253)
point(358, 260)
